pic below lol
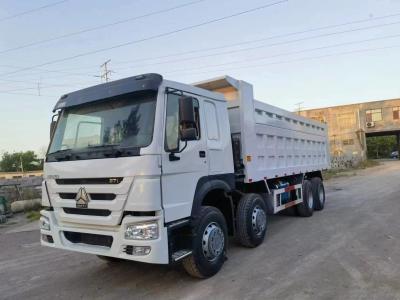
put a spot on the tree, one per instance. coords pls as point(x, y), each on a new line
point(18, 161)
point(381, 146)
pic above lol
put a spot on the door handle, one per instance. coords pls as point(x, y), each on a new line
point(202, 153)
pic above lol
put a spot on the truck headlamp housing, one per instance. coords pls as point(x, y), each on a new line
point(44, 223)
point(142, 231)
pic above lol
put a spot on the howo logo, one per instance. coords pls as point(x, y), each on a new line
point(82, 198)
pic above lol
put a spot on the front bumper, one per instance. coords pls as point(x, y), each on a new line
point(159, 247)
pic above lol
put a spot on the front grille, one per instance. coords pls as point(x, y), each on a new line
point(67, 195)
point(77, 181)
point(93, 196)
point(87, 212)
point(89, 238)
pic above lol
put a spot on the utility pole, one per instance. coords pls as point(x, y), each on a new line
point(299, 107)
point(106, 73)
point(22, 166)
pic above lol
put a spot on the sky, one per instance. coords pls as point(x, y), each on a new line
point(313, 52)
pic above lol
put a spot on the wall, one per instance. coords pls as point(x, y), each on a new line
point(349, 124)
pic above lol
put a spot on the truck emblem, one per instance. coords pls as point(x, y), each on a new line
point(82, 198)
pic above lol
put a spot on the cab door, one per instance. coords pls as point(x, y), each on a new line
point(181, 171)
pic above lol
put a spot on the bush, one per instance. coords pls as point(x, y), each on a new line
point(33, 215)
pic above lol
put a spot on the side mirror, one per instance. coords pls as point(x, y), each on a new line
point(52, 128)
point(188, 134)
point(186, 110)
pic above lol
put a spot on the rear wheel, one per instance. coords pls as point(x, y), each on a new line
point(209, 243)
point(306, 208)
point(251, 220)
point(318, 191)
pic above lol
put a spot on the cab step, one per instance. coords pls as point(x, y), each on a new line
point(178, 255)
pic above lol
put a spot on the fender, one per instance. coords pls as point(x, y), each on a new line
point(225, 182)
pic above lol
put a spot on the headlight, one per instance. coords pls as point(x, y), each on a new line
point(44, 223)
point(142, 231)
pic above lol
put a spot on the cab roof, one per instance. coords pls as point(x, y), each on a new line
point(145, 82)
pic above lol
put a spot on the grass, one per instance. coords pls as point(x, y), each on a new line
point(333, 173)
point(33, 215)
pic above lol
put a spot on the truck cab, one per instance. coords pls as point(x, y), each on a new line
point(121, 155)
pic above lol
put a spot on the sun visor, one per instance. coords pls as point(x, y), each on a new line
point(146, 82)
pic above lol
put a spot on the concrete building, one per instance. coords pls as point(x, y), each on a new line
point(350, 125)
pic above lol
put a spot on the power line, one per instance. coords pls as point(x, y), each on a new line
point(263, 39)
point(294, 52)
point(254, 66)
point(265, 46)
point(298, 60)
point(249, 42)
point(147, 38)
point(32, 10)
point(28, 94)
point(51, 71)
point(90, 29)
point(48, 85)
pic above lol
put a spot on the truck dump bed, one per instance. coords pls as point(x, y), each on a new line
point(269, 142)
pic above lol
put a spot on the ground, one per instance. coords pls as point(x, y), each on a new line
point(350, 250)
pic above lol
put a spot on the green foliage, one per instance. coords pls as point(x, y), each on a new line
point(33, 215)
point(381, 146)
point(11, 162)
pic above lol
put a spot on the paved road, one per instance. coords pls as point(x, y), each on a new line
point(351, 250)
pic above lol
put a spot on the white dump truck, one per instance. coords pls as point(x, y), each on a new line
point(157, 171)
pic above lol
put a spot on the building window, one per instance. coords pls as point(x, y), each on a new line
point(348, 142)
point(373, 115)
point(396, 112)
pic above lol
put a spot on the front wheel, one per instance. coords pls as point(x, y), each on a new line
point(208, 243)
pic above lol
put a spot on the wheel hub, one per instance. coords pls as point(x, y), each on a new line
point(258, 220)
point(213, 241)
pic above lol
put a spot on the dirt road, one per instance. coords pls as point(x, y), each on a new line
point(350, 250)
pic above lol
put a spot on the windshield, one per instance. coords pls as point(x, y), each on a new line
point(121, 123)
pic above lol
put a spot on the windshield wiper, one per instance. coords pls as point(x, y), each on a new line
point(114, 149)
point(103, 145)
point(67, 155)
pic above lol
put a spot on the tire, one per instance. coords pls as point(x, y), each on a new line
point(109, 259)
point(251, 220)
point(210, 237)
point(306, 208)
point(318, 191)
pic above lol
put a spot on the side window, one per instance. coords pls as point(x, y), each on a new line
point(196, 108)
point(172, 123)
point(211, 121)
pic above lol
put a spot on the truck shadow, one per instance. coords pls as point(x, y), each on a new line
point(91, 277)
